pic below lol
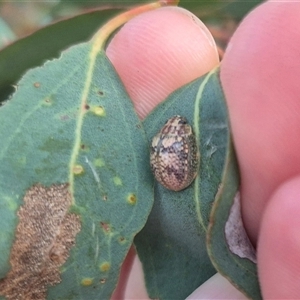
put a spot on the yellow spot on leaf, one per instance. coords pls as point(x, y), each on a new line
point(78, 169)
point(131, 199)
point(87, 281)
point(10, 203)
point(99, 162)
point(99, 111)
point(122, 240)
point(104, 267)
point(117, 180)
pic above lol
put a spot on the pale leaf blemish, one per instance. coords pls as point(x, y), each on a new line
point(9, 203)
point(97, 249)
point(210, 152)
point(64, 117)
point(236, 236)
point(48, 101)
point(208, 141)
point(131, 199)
point(99, 162)
point(78, 169)
point(217, 126)
point(44, 237)
point(117, 181)
point(99, 111)
point(87, 281)
point(106, 227)
point(93, 229)
point(122, 240)
point(104, 267)
point(95, 174)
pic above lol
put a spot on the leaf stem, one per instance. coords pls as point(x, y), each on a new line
point(98, 43)
point(104, 32)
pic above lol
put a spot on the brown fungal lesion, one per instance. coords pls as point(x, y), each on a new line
point(44, 237)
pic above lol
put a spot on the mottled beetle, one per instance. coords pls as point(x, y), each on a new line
point(174, 156)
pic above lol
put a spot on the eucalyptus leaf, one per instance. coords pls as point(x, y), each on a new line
point(240, 271)
point(100, 3)
point(219, 9)
point(70, 131)
point(202, 8)
point(172, 244)
point(109, 2)
point(238, 9)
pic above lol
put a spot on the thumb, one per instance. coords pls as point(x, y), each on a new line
point(279, 244)
point(159, 51)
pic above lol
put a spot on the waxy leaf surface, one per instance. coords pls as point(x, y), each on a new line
point(71, 122)
point(240, 271)
point(172, 244)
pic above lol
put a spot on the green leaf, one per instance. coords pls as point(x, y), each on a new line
point(202, 7)
point(110, 3)
point(45, 44)
point(172, 244)
point(238, 9)
point(70, 129)
point(220, 9)
point(240, 271)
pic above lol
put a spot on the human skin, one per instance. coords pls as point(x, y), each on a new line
point(159, 51)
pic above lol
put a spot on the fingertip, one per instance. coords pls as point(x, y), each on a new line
point(119, 292)
point(279, 244)
point(216, 287)
point(259, 75)
point(159, 51)
point(136, 288)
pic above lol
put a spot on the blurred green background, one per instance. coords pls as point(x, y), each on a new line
point(20, 18)
point(32, 32)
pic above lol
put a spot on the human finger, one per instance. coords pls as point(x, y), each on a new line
point(154, 55)
point(279, 244)
point(259, 74)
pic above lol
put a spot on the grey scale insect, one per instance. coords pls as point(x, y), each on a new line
point(174, 155)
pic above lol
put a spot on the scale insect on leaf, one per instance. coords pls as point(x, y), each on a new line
point(174, 155)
